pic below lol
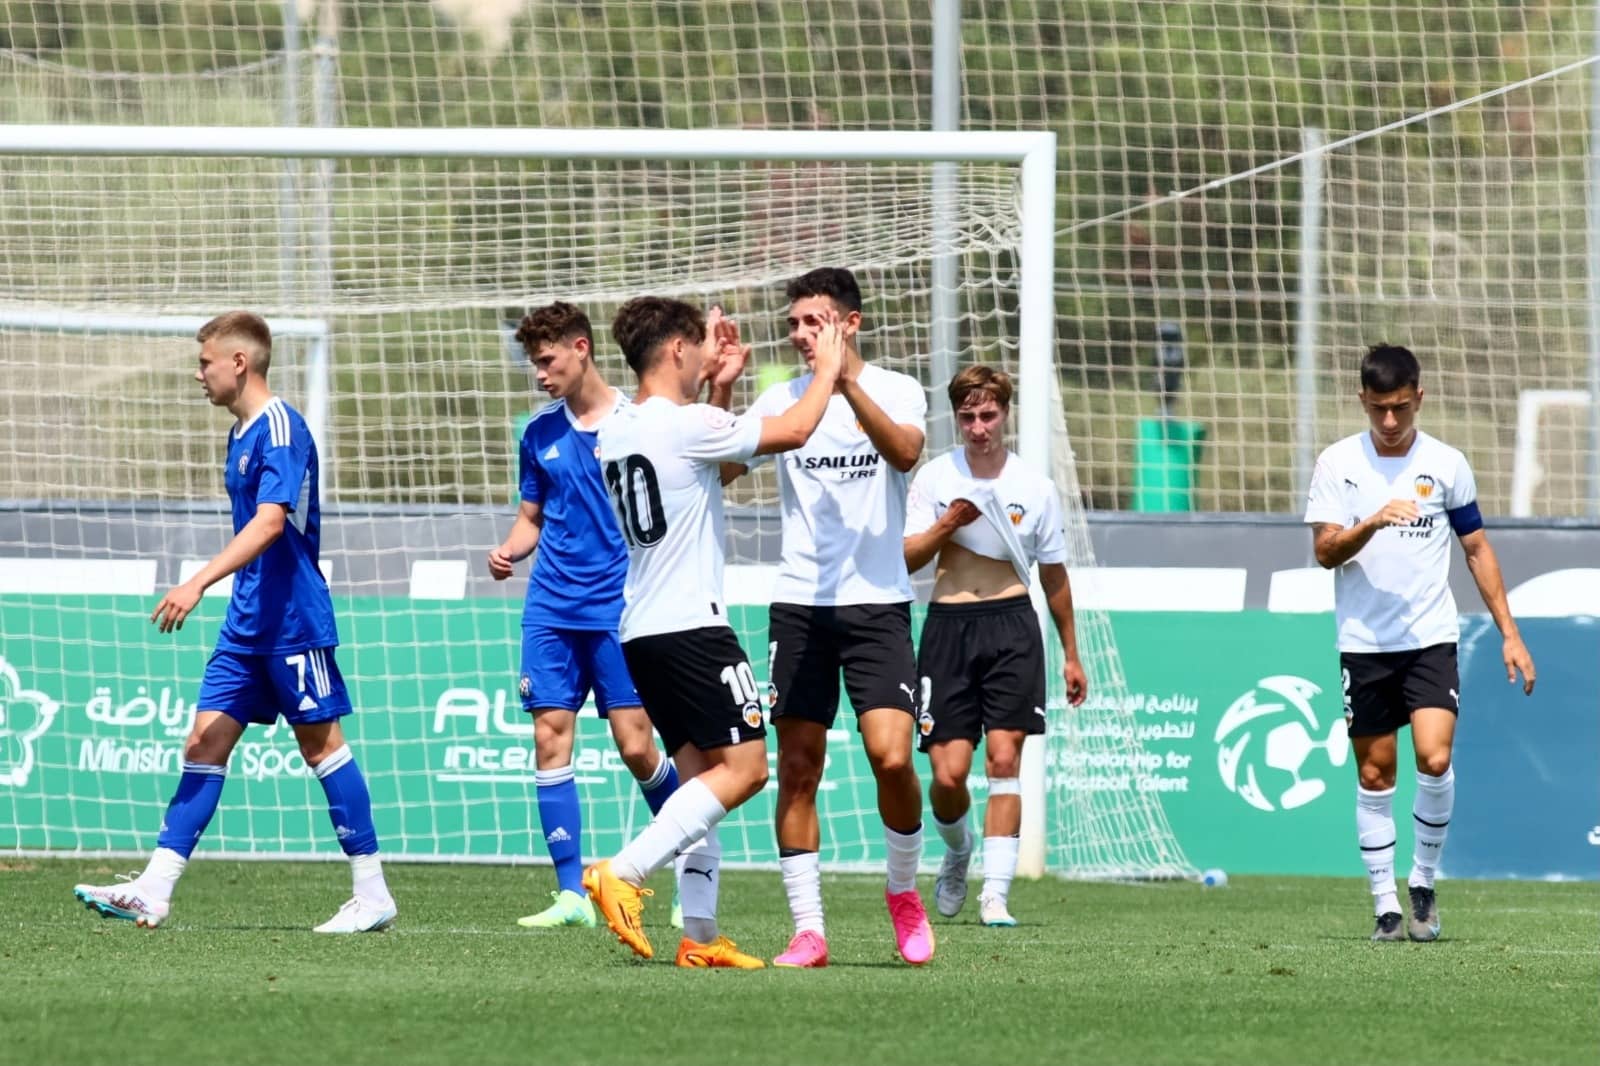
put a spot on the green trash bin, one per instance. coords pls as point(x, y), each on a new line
point(1164, 464)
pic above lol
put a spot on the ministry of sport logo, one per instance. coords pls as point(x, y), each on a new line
point(25, 714)
point(1265, 741)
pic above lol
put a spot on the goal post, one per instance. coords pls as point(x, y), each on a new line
point(440, 235)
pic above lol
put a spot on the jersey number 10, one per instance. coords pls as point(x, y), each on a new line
point(636, 494)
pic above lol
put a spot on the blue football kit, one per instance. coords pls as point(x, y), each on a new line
point(274, 654)
point(574, 602)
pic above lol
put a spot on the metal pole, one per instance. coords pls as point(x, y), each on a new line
point(318, 369)
point(1594, 279)
point(288, 192)
point(1310, 297)
point(1036, 394)
point(944, 306)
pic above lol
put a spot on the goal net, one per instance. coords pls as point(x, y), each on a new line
point(394, 283)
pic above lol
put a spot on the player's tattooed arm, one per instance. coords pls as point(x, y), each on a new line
point(1334, 545)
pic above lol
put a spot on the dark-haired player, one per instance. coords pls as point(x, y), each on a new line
point(842, 602)
point(661, 456)
point(1382, 508)
point(574, 600)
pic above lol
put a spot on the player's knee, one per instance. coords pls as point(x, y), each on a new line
point(949, 776)
point(1005, 765)
point(798, 772)
point(1376, 778)
point(201, 750)
point(755, 779)
point(891, 762)
point(552, 744)
point(639, 758)
point(1434, 763)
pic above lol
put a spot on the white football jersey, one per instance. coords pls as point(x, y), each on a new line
point(1394, 594)
point(661, 464)
point(844, 506)
point(1021, 521)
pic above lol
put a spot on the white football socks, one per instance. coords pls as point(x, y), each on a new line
point(366, 879)
point(1430, 816)
point(905, 855)
point(999, 866)
point(802, 883)
point(957, 835)
point(699, 871)
point(688, 815)
point(161, 874)
point(1375, 829)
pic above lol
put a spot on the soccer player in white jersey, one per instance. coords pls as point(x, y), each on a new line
point(574, 598)
point(987, 517)
point(274, 655)
point(842, 600)
point(1382, 507)
point(661, 457)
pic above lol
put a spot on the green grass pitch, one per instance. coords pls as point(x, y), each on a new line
point(1268, 970)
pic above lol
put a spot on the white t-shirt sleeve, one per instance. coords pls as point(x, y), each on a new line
point(1325, 501)
point(1050, 545)
point(920, 502)
point(1463, 486)
point(709, 434)
point(768, 405)
point(908, 404)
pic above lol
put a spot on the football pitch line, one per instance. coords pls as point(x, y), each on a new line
point(1001, 940)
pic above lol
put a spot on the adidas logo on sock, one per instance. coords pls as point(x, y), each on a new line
point(557, 835)
point(553, 452)
point(307, 703)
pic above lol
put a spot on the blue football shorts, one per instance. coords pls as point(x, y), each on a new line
point(561, 666)
point(303, 687)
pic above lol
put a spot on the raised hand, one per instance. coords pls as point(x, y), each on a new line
point(829, 349)
point(732, 356)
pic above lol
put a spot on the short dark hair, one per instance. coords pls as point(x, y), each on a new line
point(553, 324)
point(247, 325)
point(644, 323)
point(1389, 368)
point(837, 283)
point(978, 378)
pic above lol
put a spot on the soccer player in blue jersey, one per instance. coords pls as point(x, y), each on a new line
point(569, 623)
point(274, 655)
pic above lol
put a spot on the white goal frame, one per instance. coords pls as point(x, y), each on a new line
point(315, 331)
point(1033, 152)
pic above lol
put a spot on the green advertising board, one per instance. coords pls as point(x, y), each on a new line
point(1238, 720)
